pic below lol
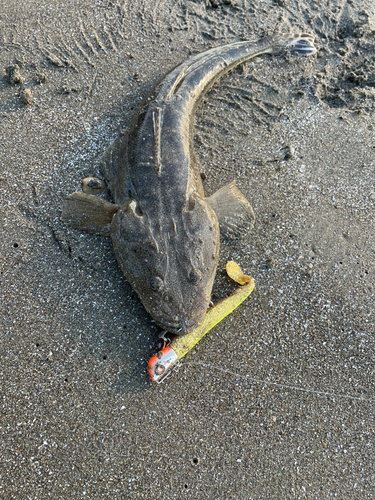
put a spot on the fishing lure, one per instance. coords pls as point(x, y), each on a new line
point(161, 364)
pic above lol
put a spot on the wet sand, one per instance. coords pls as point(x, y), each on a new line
point(277, 401)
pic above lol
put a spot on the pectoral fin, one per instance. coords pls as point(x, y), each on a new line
point(88, 213)
point(234, 212)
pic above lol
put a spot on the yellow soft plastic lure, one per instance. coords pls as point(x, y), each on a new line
point(162, 363)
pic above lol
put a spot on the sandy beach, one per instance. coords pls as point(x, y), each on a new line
point(277, 402)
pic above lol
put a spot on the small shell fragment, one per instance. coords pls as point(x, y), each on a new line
point(235, 272)
point(26, 97)
point(14, 75)
point(92, 185)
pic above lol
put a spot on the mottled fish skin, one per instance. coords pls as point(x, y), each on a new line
point(166, 235)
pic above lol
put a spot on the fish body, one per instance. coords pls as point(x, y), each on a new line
point(165, 232)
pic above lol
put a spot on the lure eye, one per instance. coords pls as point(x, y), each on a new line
point(157, 284)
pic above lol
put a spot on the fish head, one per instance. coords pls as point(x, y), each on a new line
point(170, 262)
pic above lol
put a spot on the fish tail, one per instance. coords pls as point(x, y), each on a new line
point(302, 43)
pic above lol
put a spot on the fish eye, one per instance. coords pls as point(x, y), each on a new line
point(195, 277)
point(157, 284)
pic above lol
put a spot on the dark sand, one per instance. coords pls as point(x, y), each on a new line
point(294, 415)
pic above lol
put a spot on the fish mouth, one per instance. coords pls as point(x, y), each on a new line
point(183, 327)
point(179, 320)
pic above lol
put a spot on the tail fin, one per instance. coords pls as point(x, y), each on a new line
point(302, 43)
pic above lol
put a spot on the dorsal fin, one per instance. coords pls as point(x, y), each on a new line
point(156, 129)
